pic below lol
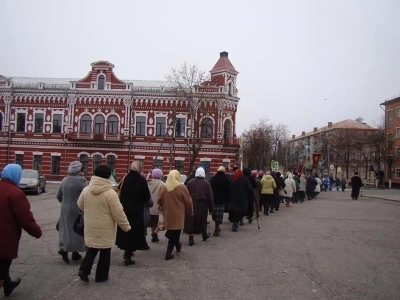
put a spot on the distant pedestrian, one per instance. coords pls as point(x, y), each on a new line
point(302, 187)
point(102, 210)
point(356, 184)
point(337, 183)
point(250, 203)
point(290, 188)
point(154, 186)
point(221, 187)
point(175, 203)
point(343, 183)
point(267, 198)
point(68, 194)
point(15, 215)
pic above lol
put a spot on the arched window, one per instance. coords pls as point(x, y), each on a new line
point(112, 125)
point(230, 89)
point(111, 162)
point(1, 122)
point(99, 124)
point(101, 82)
point(206, 128)
point(86, 124)
point(227, 129)
point(96, 161)
point(84, 159)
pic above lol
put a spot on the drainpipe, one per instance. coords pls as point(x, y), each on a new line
point(130, 138)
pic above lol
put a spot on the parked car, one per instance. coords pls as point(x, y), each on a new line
point(32, 181)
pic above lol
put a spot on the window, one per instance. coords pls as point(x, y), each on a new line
point(180, 127)
point(112, 125)
point(111, 162)
point(19, 160)
point(86, 124)
point(389, 118)
point(101, 82)
point(99, 124)
point(55, 165)
point(140, 125)
point(206, 128)
point(96, 161)
point(160, 126)
point(398, 152)
point(158, 164)
point(1, 122)
point(397, 112)
point(397, 174)
point(230, 89)
point(206, 166)
point(398, 132)
point(84, 159)
point(37, 163)
point(39, 122)
point(227, 129)
point(226, 164)
point(21, 117)
point(179, 165)
point(57, 123)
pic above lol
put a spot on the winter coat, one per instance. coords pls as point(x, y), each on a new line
point(101, 212)
point(68, 194)
point(297, 181)
point(356, 183)
point(318, 186)
point(303, 183)
point(221, 187)
point(134, 194)
point(241, 193)
point(154, 187)
point(337, 182)
point(175, 205)
point(257, 191)
point(15, 215)
point(268, 185)
point(326, 181)
point(290, 187)
point(200, 189)
point(343, 181)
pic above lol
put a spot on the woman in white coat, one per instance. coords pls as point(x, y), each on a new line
point(290, 189)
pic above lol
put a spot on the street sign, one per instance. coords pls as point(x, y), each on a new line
point(331, 167)
point(276, 165)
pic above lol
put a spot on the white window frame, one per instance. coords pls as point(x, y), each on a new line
point(21, 111)
point(37, 112)
point(140, 114)
point(387, 118)
point(57, 112)
point(160, 115)
point(397, 132)
point(181, 116)
point(398, 112)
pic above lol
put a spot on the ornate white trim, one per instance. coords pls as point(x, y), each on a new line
point(81, 153)
point(19, 152)
point(55, 154)
point(140, 157)
point(205, 159)
point(97, 153)
point(226, 160)
point(111, 153)
point(179, 158)
point(37, 153)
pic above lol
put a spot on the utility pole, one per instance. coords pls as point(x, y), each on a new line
point(172, 149)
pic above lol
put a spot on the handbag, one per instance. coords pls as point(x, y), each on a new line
point(118, 188)
point(79, 226)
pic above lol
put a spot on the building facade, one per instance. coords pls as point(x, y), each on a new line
point(392, 130)
point(331, 150)
point(46, 123)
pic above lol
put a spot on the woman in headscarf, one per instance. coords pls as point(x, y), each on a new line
point(134, 194)
point(68, 195)
point(221, 187)
point(250, 202)
point(203, 201)
point(154, 186)
point(241, 193)
point(15, 215)
point(175, 202)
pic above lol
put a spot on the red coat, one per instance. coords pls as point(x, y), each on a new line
point(15, 215)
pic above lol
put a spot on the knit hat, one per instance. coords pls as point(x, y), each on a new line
point(260, 174)
point(254, 173)
point(156, 174)
point(75, 167)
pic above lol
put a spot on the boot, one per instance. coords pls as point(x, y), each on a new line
point(83, 276)
point(154, 238)
point(235, 227)
point(277, 209)
point(9, 285)
point(64, 256)
point(250, 220)
point(191, 240)
point(271, 211)
point(241, 222)
point(128, 258)
point(178, 247)
point(76, 256)
point(206, 236)
point(170, 248)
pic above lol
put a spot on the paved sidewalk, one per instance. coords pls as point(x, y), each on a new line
point(387, 194)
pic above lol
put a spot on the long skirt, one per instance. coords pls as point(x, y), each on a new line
point(198, 222)
point(218, 213)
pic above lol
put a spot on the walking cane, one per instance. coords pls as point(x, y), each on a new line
point(256, 207)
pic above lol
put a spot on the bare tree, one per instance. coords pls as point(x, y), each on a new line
point(186, 84)
point(359, 119)
point(279, 135)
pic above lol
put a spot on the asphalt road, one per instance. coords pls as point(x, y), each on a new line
point(327, 248)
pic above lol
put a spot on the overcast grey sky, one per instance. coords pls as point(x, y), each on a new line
point(291, 55)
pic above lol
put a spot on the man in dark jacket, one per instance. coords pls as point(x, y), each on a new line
point(221, 187)
point(15, 215)
point(356, 184)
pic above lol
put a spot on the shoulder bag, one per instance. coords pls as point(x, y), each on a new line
point(119, 187)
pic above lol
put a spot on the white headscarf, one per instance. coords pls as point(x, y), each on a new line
point(200, 172)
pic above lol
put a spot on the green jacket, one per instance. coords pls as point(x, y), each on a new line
point(268, 185)
point(297, 180)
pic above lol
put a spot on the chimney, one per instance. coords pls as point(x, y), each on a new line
point(293, 136)
point(315, 129)
point(223, 54)
point(329, 124)
point(303, 133)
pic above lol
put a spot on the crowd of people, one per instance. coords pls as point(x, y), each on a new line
point(139, 203)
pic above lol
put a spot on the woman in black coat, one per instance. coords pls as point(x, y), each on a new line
point(250, 203)
point(241, 193)
point(134, 194)
point(221, 187)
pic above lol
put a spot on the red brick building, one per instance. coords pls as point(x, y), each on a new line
point(46, 123)
point(392, 117)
